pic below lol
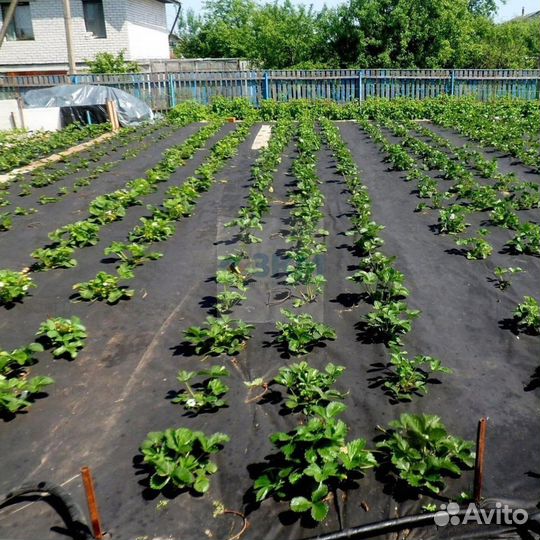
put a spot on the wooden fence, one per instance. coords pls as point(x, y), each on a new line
point(164, 90)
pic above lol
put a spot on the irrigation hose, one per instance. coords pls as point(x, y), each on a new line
point(69, 510)
point(420, 520)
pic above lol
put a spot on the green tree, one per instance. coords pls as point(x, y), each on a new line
point(105, 62)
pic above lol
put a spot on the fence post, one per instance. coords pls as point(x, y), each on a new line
point(172, 92)
point(452, 82)
point(361, 85)
point(266, 85)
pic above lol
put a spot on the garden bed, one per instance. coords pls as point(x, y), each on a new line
point(104, 403)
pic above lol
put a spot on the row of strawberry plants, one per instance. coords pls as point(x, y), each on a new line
point(390, 320)
point(512, 129)
point(179, 202)
point(103, 210)
point(27, 150)
point(316, 458)
point(508, 195)
point(44, 176)
point(68, 335)
point(179, 457)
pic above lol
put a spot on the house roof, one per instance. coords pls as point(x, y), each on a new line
point(526, 17)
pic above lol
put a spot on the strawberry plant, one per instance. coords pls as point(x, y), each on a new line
point(66, 336)
point(6, 221)
point(399, 158)
point(104, 209)
point(152, 230)
point(388, 321)
point(205, 395)
point(503, 215)
point(479, 247)
point(421, 451)
point(180, 458)
point(14, 286)
point(59, 257)
point(406, 376)
point(527, 315)
point(302, 332)
point(526, 239)
point(78, 234)
point(226, 300)
point(308, 387)
point(503, 276)
point(103, 287)
point(384, 284)
point(131, 256)
point(15, 392)
point(313, 461)
point(12, 361)
point(452, 219)
point(220, 336)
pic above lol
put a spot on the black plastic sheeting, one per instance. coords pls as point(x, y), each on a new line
point(131, 110)
point(84, 114)
point(104, 403)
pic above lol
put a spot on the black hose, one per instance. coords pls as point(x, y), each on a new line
point(68, 509)
point(419, 520)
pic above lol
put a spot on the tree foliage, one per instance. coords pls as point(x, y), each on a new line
point(361, 34)
point(105, 62)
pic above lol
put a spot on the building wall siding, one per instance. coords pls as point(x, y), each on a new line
point(123, 19)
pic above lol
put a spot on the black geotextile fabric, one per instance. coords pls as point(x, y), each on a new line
point(104, 403)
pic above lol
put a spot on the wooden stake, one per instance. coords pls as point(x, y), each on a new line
point(113, 115)
point(92, 503)
point(480, 455)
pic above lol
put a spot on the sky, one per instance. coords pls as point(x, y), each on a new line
point(512, 8)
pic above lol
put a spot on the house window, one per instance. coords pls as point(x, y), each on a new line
point(94, 18)
point(20, 28)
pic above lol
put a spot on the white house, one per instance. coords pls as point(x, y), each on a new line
point(36, 39)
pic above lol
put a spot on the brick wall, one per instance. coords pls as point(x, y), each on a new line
point(138, 26)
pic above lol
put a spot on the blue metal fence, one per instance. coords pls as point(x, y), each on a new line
point(163, 90)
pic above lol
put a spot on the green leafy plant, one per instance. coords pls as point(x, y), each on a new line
point(205, 395)
point(383, 284)
point(503, 276)
point(221, 335)
point(6, 221)
point(59, 257)
point(302, 332)
point(15, 392)
point(479, 247)
point(152, 230)
point(226, 300)
point(14, 360)
point(103, 287)
point(312, 461)
point(421, 451)
point(308, 387)
point(526, 239)
point(78, 234)
point(406, 376)
point(527, 315)
point(66, 336)
point(452, 219)
point(14, 286)
point(131, 256)
point(105, 209)
point(389, 321)
point(181, 458)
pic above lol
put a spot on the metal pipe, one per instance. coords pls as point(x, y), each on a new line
point(7, 21)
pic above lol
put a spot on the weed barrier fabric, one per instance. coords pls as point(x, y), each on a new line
point(104, 403)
